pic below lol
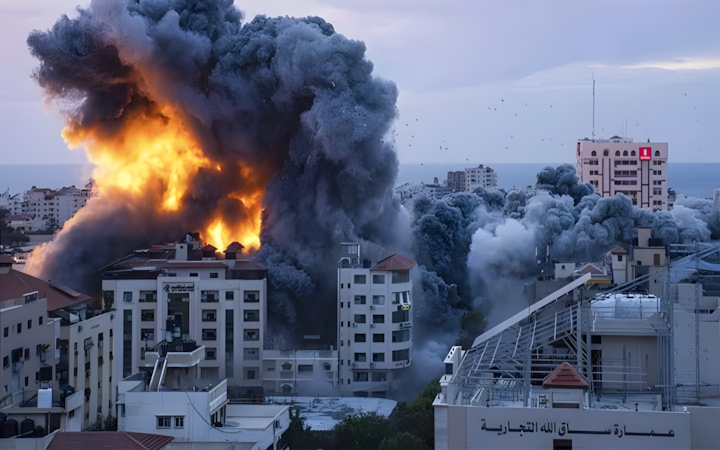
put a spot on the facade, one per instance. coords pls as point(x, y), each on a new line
point(472, 178)
point(173, 293)
point(409, 192)
point(173, 400)
point(623, 369)
point(619, 165)
point(300, 372)
point(49, 208)
point(375, 317)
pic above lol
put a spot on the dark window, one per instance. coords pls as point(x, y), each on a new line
point(359, 279)
point(360, 357)
point(378, 338)
point(127, 297)
point(359, 318)
point(251, 316)
point(360, 338)
point(594, 153)
point(657, 153)
point(619, 257)
point(400, 316)
point(360, 376)
point(213, 275)
point(378, 357)
point(605, 153)
point(402, 276)
point(617, 153)
point(632, 153)
point(401, 355)
point(209, 315)
point(401, 336)
point(147, 315)
point(359, 299)
point(147, 334)
point(251, 296)
point(40, 320)
point(378, 318)
point(27, 353)
point(596, 339)
point(251, 335)
point(378, 279)
point(379, 376)
point(210, 354)
point(625, 153)
point(29, 324)
point(229, 295)
point(6, 331)
point(19, 328)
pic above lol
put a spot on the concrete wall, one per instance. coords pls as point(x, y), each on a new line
point(636, 355)
point(463, 427)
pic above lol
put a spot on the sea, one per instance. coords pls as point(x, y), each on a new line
point(689, 179)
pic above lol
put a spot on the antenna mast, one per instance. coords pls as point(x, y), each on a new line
point(593, 127)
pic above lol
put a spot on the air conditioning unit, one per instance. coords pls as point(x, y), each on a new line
point(101, 344)
point(372, 307)
point(372, 365)
point(354, 325)
point(372, 325)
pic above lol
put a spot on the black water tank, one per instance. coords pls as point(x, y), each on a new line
point(189, 346)
point(39, 431)
point(8, 429)
point(27, 428)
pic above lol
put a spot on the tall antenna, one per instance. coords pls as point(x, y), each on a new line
point(593, 128)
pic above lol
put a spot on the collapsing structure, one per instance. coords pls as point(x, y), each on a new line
point(621, 351)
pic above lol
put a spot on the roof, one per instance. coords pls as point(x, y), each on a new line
point(15, 284)
point(209, 248)
point(108, 439)
point(618, 251)
point(565, 376)
point(616, 137)
point(396, 261)
point(248, 265)
point(194, 265)
point(14, 217)
point(234, 247)
point(591, 269)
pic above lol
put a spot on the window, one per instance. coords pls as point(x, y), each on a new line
point(625, 153)
point(401, 355)
point(617, 153)
point(360, 376)
point(251, 316)
point(305, 368)
point(360, 357)
point(251, 354)
point(359, 279)
point(147, 315)
point(19, 328)
point(378, 318)
point(359, 299)
point(40, 320)
point(179, 422)
point(127, 297)
point(400, 297)
point(594, 153)
point(147, 334)
point(378, 299)
point(620, 258)
point(657, 191)
point(378, 279)
point(251, 335)
point(6, 331)
point(360, 338)
point(209, 315)
point(210, 354)
point(401, 336)
point(400, 316)
point(148, 297)
point(359, 318)
point(402, 276)
point(632, 153)
point(163, 422)
point(379, 376)
point(251, 296)
point(209, 296)
point(27, 350)
point(213, 274)
point(378, 337)
point(286, 366)
point(29, 324)
point(656, 259)
point(27, 381)
point(605, 153)
point(229, 295)
point(209, 334)
point(193, 274)
point(378, 357)
point(657, 153)
point(250, 375)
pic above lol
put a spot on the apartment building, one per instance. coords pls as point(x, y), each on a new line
point(375, 317)
point(182, 292)
point(619, 165)
point(472, 178)
point(57, 364)
point(49, 208)
point(300, 372)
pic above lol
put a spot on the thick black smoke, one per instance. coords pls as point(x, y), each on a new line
point(288, 97)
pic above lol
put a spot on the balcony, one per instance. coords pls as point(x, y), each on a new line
point(17, 366)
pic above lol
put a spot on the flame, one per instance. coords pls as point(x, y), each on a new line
point(154, 154)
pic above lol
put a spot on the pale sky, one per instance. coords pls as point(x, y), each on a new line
point(656, 65)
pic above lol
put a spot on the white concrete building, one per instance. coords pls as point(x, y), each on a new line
point(638, 170)
point(471, 178)
point(408, 192)
point(300, 372)
point(618, 370)
point(50, 208)
point(175, 401)
point(180, 292)
point(647, 255)
point(375, 317)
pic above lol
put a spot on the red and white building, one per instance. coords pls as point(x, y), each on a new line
point(619, 165)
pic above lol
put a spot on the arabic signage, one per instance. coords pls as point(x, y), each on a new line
point(564, 428)
point(645, 153)
point(179, 287)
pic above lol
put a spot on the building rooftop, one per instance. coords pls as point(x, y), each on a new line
point(15, 284)
point(396, 261)
point(108, 439)
point(618, 251)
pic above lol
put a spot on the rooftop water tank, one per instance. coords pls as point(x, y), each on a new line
point(44, 398)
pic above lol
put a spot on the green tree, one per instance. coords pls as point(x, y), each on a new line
point(402, 441)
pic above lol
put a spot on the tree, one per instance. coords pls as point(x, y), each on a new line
point(402, 441)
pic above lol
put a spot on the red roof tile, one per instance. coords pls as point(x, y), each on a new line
point(396, 261)
point(590, 268)
point(618, 251)
point(108, 439)
point(209, 248)
point(15, 284)
point(235, 247)
point(565, 376)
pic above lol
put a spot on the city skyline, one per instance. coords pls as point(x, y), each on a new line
point(525, 100)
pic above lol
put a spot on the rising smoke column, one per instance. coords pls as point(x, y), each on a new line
point(198, 122)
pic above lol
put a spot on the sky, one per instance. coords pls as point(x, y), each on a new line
point(479, 81)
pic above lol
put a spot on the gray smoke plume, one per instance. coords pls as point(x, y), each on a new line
point(290, 98)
